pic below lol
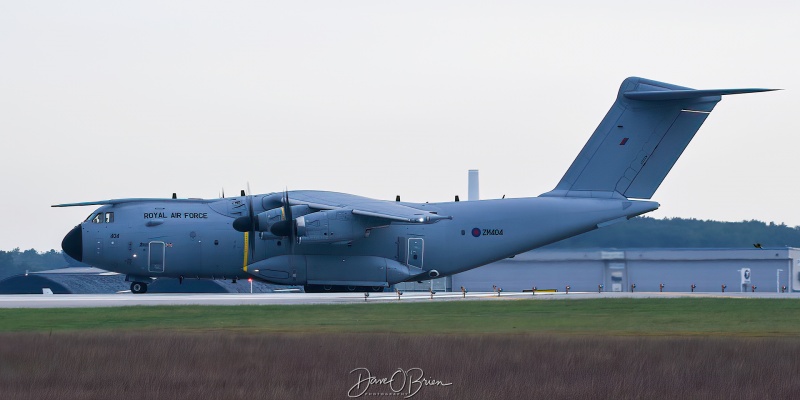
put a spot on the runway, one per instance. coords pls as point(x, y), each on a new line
point(234, 299)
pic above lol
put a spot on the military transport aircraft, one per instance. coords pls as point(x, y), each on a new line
point(329, 241)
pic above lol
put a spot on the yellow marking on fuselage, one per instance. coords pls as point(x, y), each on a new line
point(246, 245)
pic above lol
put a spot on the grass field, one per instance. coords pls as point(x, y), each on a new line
point(608, 348)
point(217, 365)
point(662, 317)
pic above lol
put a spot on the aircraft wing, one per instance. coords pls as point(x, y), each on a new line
point(132, 200)
point(358, 205)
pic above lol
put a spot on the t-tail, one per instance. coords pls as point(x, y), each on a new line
point(639, 140)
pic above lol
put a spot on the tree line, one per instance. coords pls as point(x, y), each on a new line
point(16, 262)
point(646, 232)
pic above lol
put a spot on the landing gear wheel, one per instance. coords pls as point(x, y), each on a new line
point(377, 289)
point(138, 287)
point(351, 288)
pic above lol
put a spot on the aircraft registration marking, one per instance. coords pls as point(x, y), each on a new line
point(477, 232)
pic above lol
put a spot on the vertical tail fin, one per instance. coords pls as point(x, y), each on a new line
point(639, 140)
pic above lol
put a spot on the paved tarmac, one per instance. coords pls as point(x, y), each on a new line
point(232, 299)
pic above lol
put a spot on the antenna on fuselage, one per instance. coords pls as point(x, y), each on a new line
point(174, 195)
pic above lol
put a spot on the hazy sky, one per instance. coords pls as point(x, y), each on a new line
point(104, 99)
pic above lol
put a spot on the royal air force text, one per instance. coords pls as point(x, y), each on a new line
point(176, 215)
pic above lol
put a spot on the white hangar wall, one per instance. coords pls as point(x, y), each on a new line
point(618, 269)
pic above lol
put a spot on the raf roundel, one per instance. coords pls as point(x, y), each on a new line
point(476, 232)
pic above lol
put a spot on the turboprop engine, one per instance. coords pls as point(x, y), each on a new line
point(330, 226)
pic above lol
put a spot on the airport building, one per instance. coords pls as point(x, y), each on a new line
point(589, 270)
point(615, 270)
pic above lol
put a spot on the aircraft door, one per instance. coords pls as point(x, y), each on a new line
point(157, 254)
point(416, 250)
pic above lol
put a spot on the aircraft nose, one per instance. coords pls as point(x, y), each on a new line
point(73, 243)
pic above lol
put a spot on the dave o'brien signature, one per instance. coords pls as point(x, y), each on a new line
point(408, 381)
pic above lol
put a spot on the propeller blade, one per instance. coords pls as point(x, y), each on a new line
point(292, 237)
point(253, 224)
point(288, 211)
point(286, 226)
point(248, 224)
point(250, 213)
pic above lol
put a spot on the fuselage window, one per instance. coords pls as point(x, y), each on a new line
point(88, 218)
point(98, 219)
point(109, 217)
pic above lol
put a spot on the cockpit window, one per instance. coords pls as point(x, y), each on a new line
point(101, 218)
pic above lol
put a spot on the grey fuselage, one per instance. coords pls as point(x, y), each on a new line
point(195, 238)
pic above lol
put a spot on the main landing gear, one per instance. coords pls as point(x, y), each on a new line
point(138, 287)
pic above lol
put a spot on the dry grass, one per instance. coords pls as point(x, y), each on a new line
point(179, 365)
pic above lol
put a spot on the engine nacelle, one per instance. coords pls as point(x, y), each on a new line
point(330, 226)
point(268, 218)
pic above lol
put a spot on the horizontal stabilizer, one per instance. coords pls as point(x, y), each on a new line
point(652, 95)
point(639, 140)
